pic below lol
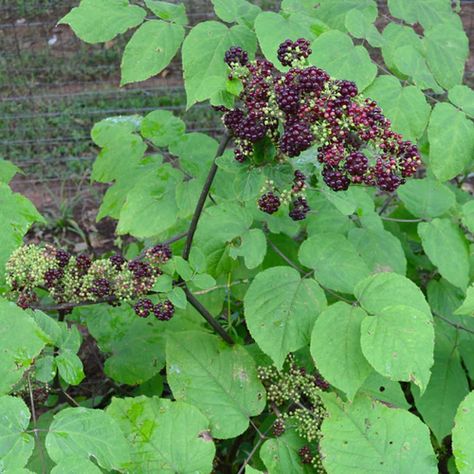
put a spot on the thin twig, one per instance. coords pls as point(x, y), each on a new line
point(220, 287)
point(453, 324)
point(203, 197)
point(207, 315)
point(394, 219)
point(387, 203)
point(35, 431)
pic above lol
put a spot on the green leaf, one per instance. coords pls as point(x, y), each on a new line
point(280, 310)
point(463, 441)
point(428, 13)
point(137, 355)
point(163, 284)
point(178, 297)
point(17, 214)
point(16, 446)
point(447, 387)
point(98, 21)
point(239, 11)
point(45, 368)
point(382, 290)
point(426, 197)
point(21, 341)
point(398, 342)
point(326, 251)
point(7, 171)
point(183, 268)
point(463, 97)
point(272, 29)
point(150, 50)
point(447, 50)
point(203, 281)
point(205, 72)
point(85, 433)
point(280, 455)
point(164, 436)
point(175, 13)
point(335, 347)
point(385, 390)
point(162, 128)
point(467, 307)
point(335, 52)
point(360, 26)
point(380, 249)
point(446, 247)
point(396, 36)
point(70, 367)
point(451, 137)
point(411, 62)
point(253, 248)
point(219, 380)
point(334, 12)
point(406, 107)
point(151, 206)
point(371, 437)
point(75, 465)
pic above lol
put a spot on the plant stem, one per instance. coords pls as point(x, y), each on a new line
point(203, 197)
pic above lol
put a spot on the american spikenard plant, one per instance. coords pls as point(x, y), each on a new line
point(298, 297)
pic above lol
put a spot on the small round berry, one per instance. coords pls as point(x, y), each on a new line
point(288, 99)
point(296, 138)
point(269, 203)
point(298, 182)
point(140, 269)
point(290, 52)
point(143, 307)
point(236, 56)
point(160, 253)
point(251, 130)
point(313, 79)
point(233, 119)
point(62, 257)
point(52, 276)
point(305, 455)
point(83, 263)
point(278, 427)
point(101, 288)
point(299, 209)
point(164, 311)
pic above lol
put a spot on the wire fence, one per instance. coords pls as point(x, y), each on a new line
point(53, 87)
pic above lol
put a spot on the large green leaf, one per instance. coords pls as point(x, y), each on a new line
point(361, 26)
point(367, 436)
point(272, 29)
point(75, 465)
point(335, 347)
point(87, 433)
point(150, 207)
point(70, 367)
point(451, 137)
point(447, 387)
point(280, 455)
point(7, 171)
point(426, 197)
point(150, 50)
point(380, 249)
point(280, 310)
point(21, 341)
point(97, 21)
point(389, 289)
point(253, 248)
point(381, 388)
point(463, 97)
point(326, 252)
point(240, 11)
point(398, 342)
point(162, 128)
point(205, 72)
point(334, 12)
point(467, 307)
point(16, 446)
point(335, 52)
point(447, 49)
point(220, 380)
point(406, 107)
point(164, 436)
point(446, 247)
point(463, 441)
point(426, 12)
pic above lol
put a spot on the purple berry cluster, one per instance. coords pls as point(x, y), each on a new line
point(163, 311)
point(305, 108)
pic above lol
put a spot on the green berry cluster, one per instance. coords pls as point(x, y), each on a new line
point(297, 396)
point(73, 279)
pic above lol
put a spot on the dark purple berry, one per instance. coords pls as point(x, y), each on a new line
point(52, 276)
point(101, 288)
point(299, 209)
point(236, 56)
point(143, 308)
point(83, 263)
point(269, 203)
point(243, 151)
point(62, 257)
point(140, 269)
point(357, 164)
point(313, 79)
point(164, 311)
point(233, 119)
point(296, 138)
point(278, 427)
point(305, 455)
point(298, 182)
point(290, 52)
point(335, 179)
point(347, 89)
point(288, 99)
point(251, 130)
point(117, 261)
